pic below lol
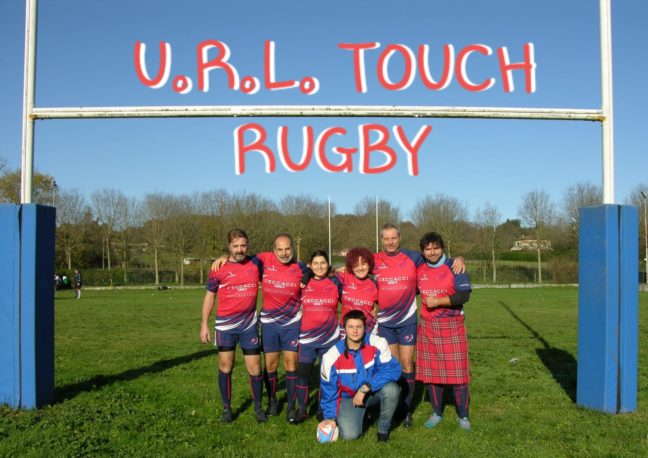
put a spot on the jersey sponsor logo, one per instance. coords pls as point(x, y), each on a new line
point(279, 284)
point(393, 280)
point(245, 286)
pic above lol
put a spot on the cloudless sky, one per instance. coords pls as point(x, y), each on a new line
point(85, 58)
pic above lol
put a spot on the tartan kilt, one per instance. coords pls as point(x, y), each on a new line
point(442, 351)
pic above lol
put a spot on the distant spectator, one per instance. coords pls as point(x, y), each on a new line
point(77, 284)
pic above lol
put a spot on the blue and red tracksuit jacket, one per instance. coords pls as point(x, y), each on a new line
point(343, 371)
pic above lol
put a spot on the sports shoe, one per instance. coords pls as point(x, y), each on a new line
point(464, 424)
point(300, 417)
point(260, 415)
point(383, 437)
point(408, 421)
point(291, 415)
point(433, 421)
point(226, 416)
point(273, 408)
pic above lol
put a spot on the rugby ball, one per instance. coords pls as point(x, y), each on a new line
point(327, 433)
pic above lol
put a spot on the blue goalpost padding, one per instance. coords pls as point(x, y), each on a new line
point(27, 236)
point(608, 308)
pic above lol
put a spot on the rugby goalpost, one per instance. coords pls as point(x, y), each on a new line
point(608, 265)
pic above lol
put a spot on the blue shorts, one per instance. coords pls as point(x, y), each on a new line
point(404, 335)
point(277, 338)
point(248, 340)
point(309, 353)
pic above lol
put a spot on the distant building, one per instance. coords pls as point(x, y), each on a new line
point(531, 244)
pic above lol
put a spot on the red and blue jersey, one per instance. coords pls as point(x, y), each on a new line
point(281, 291)
point(343, 371)
point(440, 281)
point(358, 294)
point(236, 285)
point(396, 278)
point(319, 325)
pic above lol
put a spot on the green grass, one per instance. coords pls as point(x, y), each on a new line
point(133, 380)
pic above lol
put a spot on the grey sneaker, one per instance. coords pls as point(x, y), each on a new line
point(433, 421)
point(464, 424)
point(226, 416)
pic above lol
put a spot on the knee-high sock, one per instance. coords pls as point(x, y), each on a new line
point(256, 388)
point(408, 377)
point(291, 381)
point(225, 388)
point(436, 397)
point(270, 379)
point(462, 399)
point(303, 378)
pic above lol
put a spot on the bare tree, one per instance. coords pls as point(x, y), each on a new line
point(106, 204)
point(442, 214)
point(488, 219)
point(576, 196)
point(537, 212)
point(128, 217)
point(156, 208)
point(306, 219)
point(180, 234)
point(71, 210)
point(368, 228)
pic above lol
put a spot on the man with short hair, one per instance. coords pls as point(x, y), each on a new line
point(356, 373)
point(395, 270)
point(280, 317)
point(236, 284)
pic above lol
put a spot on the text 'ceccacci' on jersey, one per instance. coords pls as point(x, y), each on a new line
point(319, 325)
point(236, 285)
point(358, 294)
point(396, 278)
point(440, 282)
point(281, 290)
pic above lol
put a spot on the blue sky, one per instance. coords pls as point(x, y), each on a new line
point(85, 58)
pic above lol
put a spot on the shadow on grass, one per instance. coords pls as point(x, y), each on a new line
point(70, 391)
point(560, 363)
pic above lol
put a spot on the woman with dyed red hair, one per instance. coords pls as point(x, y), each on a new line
point(359, 289)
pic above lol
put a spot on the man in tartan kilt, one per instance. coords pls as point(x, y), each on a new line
point(441, 343)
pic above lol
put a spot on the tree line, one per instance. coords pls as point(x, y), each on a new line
point(166, 234)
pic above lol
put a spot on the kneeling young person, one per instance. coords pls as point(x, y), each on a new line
point(358, 372)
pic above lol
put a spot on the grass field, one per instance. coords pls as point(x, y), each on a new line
point(133, 380)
